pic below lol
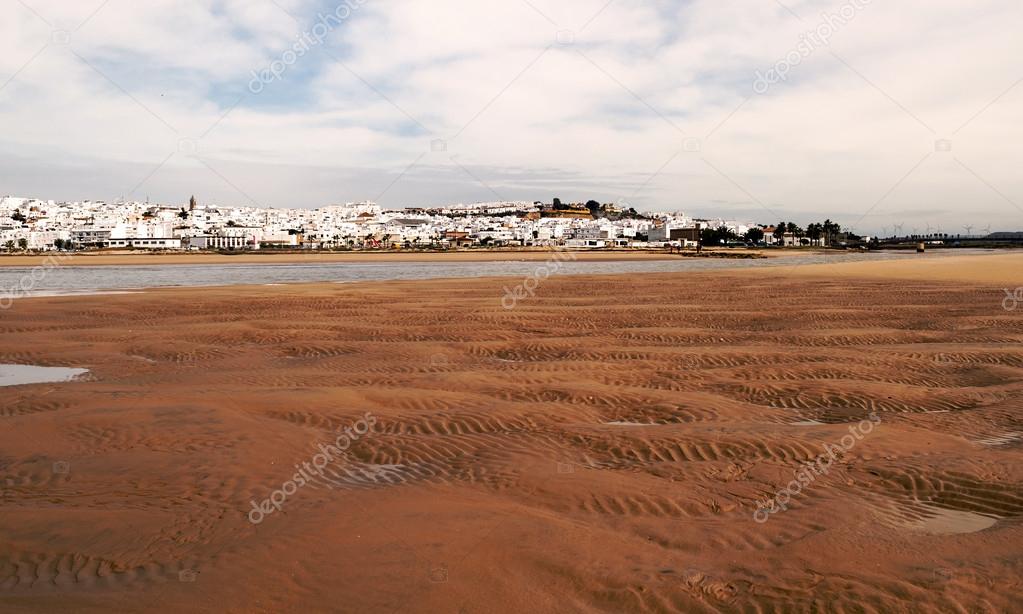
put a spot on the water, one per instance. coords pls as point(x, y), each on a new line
point(943, 521)
point(19, 282)
point(19, 375)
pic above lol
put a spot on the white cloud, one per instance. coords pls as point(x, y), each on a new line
point(590, 119)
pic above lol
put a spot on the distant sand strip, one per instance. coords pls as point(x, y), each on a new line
point(997, 269)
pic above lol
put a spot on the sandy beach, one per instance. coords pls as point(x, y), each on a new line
point(1005, 268)
point(840, 437)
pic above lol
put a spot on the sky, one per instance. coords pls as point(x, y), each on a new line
point(879, 115)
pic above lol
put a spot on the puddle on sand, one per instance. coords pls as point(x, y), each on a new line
point(19, 375)
point(943, 521)
point(58, 293)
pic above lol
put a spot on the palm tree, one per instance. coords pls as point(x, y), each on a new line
point(9, 246)
point(794, 230)
point(814, 231)
point(831, 229)
point(23, 244)
point(779, 233)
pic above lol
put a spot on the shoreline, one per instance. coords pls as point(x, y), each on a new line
point(126, 258)
point(995, 269)
point(144, 259)
point(980, 270)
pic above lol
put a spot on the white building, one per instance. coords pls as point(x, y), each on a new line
point(151, 243)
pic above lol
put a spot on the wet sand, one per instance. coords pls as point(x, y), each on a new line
point(632, 443)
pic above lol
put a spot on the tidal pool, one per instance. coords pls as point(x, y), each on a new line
point(19, 375)
point(943, 521)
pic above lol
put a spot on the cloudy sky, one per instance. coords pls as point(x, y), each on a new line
point(897, 112)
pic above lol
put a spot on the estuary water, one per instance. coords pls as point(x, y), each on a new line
point(25, 282)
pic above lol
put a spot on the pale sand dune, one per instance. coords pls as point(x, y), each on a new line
point(600, 448)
